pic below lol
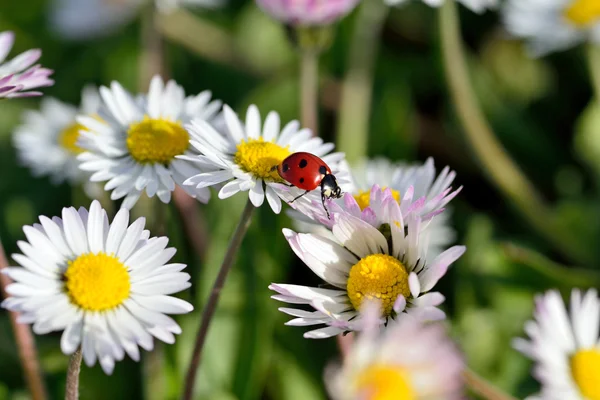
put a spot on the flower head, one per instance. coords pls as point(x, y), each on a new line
point(306, 12)
point(553, 25)
point(18, 76)
point(406, 360)
point(136, 146)
point(379, 255)
point(565, 345)
point(47, 140)
point(244, 158)
point(106, 285)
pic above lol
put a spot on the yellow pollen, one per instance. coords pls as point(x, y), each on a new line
point(377, 276)
point(156, 141)
point(68, 138)
point(384, 382)
point(585, 368)
point(363, 197)
point(97, 282)
point(259, 157)
point(583, 12)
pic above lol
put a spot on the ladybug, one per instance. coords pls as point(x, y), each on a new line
point(307, 171)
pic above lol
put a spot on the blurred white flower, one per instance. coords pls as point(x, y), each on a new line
point(379, 254)
point(553, 25)
point(135, 146)
point(565, 346)
point(88, 19)
point(106, 285)
point(46, 142)
point(478, 6)
point(307, 12)
point(243, 158)
point(18, 76)
point(406, 360)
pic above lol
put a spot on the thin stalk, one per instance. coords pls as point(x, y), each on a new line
point(25, 342)
point(151, 60)
point(209, 309)
point(72, 391)
point(484, 388)
point(356, 95)
point(497, 164)
point(192, 221)
point(593, 53)
point(309, 90)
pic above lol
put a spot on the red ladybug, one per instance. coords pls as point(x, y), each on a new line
point(307, 171)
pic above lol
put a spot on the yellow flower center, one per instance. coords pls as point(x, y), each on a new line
point(384, 382)
point(377, 276)
point(585, 368)
point(363, 198)
point(68, 138)
point(583, 12)
point(97, 282)
point(156, 141)
point(259, 157)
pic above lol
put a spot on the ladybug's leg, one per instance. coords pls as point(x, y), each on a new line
point(300, 195)
point(324, 206)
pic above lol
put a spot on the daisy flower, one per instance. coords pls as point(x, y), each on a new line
point(380, 255)
point(553, 25)
point(243, 158)
point(17, 76)
point(565, 346)
point(307, 12)
point(88, 19)
point(407, 360)
point(46, 142)
point(135, 149)
point(478, 6)
point(104, 285)
point(416, 188)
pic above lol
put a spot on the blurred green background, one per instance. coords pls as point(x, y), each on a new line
point(539, 109)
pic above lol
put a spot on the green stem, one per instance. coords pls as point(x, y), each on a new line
point(211, 305)
point(484, 388)
point(72, 390)
point(497, 164)
point(357, 88)
point(593, 53)
point(152, 54)
point(25, 342)
point(309, 90)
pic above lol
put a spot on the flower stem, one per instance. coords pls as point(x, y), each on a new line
point(484, 388)
point(500, 168)
point(72, 391)
point(25, 342)
point(309, 90)
point(357, 88)
point(209, 309)
point(192, 221)
point(151, 60)
point(593, 53)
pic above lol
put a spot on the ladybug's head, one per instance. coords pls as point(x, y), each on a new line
point(330, 188)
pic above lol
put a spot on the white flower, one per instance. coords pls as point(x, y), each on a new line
point(378, 255)
point(244, 157)
point(47, 140)
point(565, 346)
point(106, 285)
point(415, 187)
point(88, 19)
point(135, 148)
point(478, 6)
point(406, 360)
point(17, 76)
point(553, 25)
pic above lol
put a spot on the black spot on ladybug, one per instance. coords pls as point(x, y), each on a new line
point(285, 167)
point(322, 170)
point(303, 163)
point(301, 180)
